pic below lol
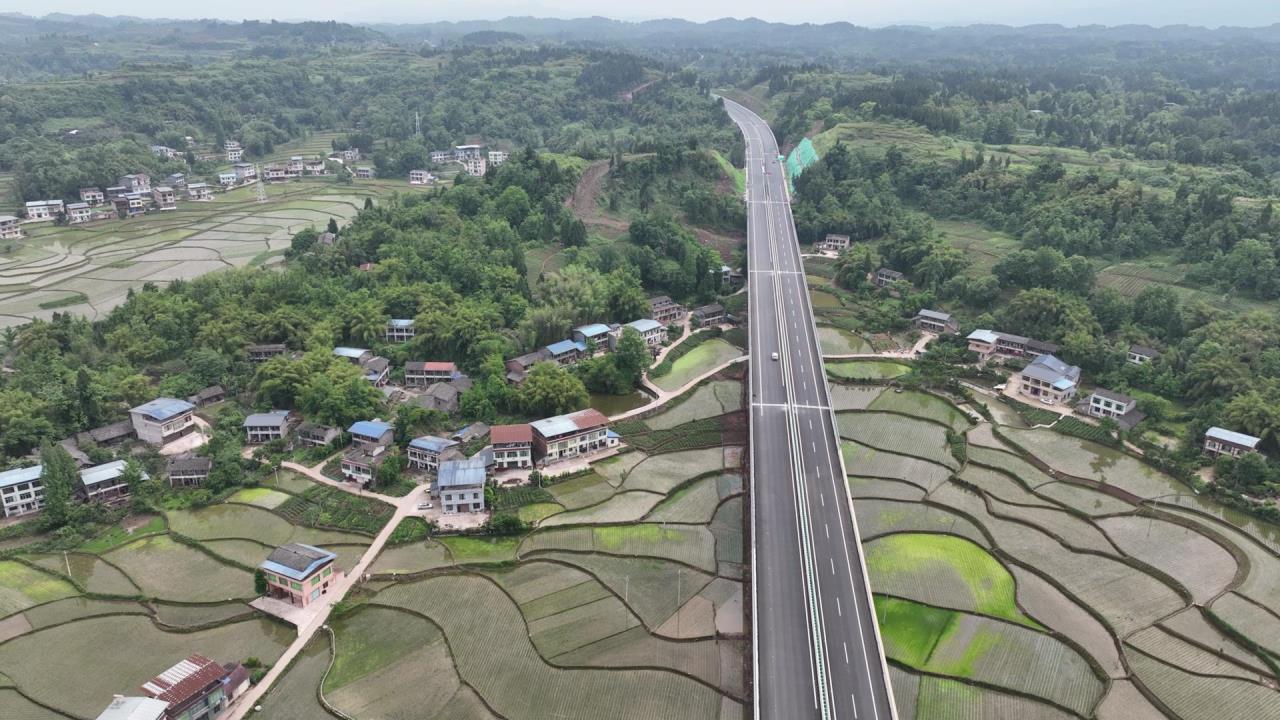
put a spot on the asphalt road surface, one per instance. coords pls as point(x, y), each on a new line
point(817, 649)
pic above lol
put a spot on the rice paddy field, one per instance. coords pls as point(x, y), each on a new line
point(88, 269)
point(624, 599)
point(1050, 577)
point(134, 602)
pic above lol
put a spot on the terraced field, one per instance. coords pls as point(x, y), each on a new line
point(89, 269)
point(1007, 591)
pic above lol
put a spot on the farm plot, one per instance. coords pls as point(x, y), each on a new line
point(945, 571)
point(244, 552)
point(726, 527)
point(708, 400)
point(477, 617)
point(942, 699)
point(1086, 500)
point(838, 341)
point(22, 586)
point(1162, 645)
point(653, 589)
point(624, 507)
point(690, 544)
point(294, 695)
point(1192, 626)
point(233, 520)
point(698, 361)
point(77, 608)
point(1125, 702)
point(91, 572)
point(922, 405)
point(582, 491)
point(866, 369)
point(411, 558)
point(883, 517)
point(869, 462)
point(260, 497)
point(616, 467)
point(1067, 528)
point(999, 485)
point(1262, 532)
point(465, 550)
point(869, 487)
point(1046, 603)
point(165, 569)
point(14, 706)
point(1262, 584)
point(854, 397)
point(583, 615)
point(663, 473)
point(897, 434)
point(637, 648)
point(1029, 475)
point(693, 503)
point(535, 513)
point(1254, 622)
point(1194, 697)
point(191, 616)
point(982, 435)
point(1199, 564)
point(1096, 462)
point(131, 646)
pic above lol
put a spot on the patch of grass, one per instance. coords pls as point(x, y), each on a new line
point(410, 529)
point(467, 549)
point(699, 360)
point(739, 177)
point(867, 369)
point(260, 496)
point(117, 536)
point(73, 299)
point(537, 512)
point(511, 498)
point(910, 630)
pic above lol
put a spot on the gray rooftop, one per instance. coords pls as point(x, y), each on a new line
point(461, 473)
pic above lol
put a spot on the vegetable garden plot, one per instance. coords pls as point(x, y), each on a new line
point(168, 570)
point(1201, 565)
point(1262, 532)
point(231, 521)
point(708, 400)
point(465, 549)
point(1066, 527)
point(581, 491)
point(694, 619)
point(853, 397)
point(1125, 702)
point(1096, 462)
point(922, 405)
point(78, 608)
point(869, 462)
point(701, 359)
point(91, 572)
point(942, 570)
point(623, 507)
point(260, 497)
point(1192, 625)
point(616, 468)
point(21, 587)
point(1262, 584)
point(726, 526)
point(1029, 475)
point(293, 695)
point(1179, 653)
point(942, 699)
point(579, 625)
point(662, 473)
point(726, 597)
point(535, 513)
point(189, 616)
point(529, 581)
point(653, 589)
point(1087, 501)
point(897, 434)
point(477, 617)
point(1046, 604)
point(1001, 486)
point(861, 487)
point(982, 436)
point(693, 503)
point(637, 648)
point(132, 647)
point(1250, 620)
point(906, 687)
point(690, 544)
point(245, 552)
point(838, 341)
point(1128, 598)
point(882, 517)
point(910, 631)
point(1194, 697)
point(411, 558)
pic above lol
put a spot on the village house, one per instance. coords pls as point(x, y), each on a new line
point(197, 688)
point(884, 277)
point(460, 484)
point(651, 331)
point(348, 155)
point(78, 213)
point(166, 152)
point(497, 157)
point(730, 278)
point(512, 446)
point(227, 179)
point(471, 433)
point(165, 198)
point(598, 333)
point(356, 356)
point(42, 210)
point(420, 177)
point(665, 310)
point(400, 330)
point(199, 192)
point(371, 434)
point(188, 470)
point(92, 195)
point(463, 152)
point(708, 315)
point(936, 321)
point(177, 181)
point(163, 420)
point(107, 435)
point(262, 428)
point(293, 168)
point(833, 243)
point(439, 396)
point(245, 172)
point(299, 574)
point(259, 353)
point(571, 435)
point(22, 490)
point(136, 183)
point(131, 204)
point(1123, 409)
point(316, 435)
point(134, 708)
point(315, 166)
point(990, 342)
point(104, 483)
point(10, 227)
point(364, 172)
point(360, 466)
point(440, 157)
point(376, 370)
point(1141, 354)
point(1049, 379)
point(518, 367)
point(1220, 441)
point(116, 191)
point(234, 152)
point(426, 452)
point(429, 372)
point(327, 239)
point(275, 172)
point(475, 166)
point(567, 352)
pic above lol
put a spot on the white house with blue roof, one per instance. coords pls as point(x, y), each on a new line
point(599, 333)
point(299, 574)
point(1050, 380)
point(163, 420)
point(368, 434)
point(400, 330)
point(425, 452)
point(651, 331)
point(22, 490)
point(567, 352)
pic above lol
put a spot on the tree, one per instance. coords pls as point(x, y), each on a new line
point(505, 523)
point(333, 226)
point(631, 358)
point(549, 389)
point(259, 582)
point(391, 471)
point(59, 477)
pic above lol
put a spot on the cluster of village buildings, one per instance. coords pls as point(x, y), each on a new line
point(196, 688)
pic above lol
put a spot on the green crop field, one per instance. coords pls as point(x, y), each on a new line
point(708, 400)
point(898, 434)
point(696, 362)
point(866, 369)
point(922, 405)
point(21, 587)
point(172, 571)
point(838, 341)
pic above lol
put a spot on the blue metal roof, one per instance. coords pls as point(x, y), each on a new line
point(593, 329)
point(400, 322)
point(349, 352)
point(431, 443)
point(644, 325)
point(164, 408)
point(369, 428)
point(562, 347)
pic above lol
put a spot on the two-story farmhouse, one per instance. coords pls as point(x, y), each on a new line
point(417, 374)
point(426, 452)
point(708, 315)
point(104, 483)
point(188, 470)
point(884, 277)
point(200, 192)
point(1123, 409)
point(10, 227)
point(665, 310)
point(512, 446)
point(833, 243)
point(460, 485)
point(164, 197)
point(316, 435)
point(567, 352)
point(400, 330)
point(598, 334)
point(987, 343)
point(1220, 441)
point(1141, 354)
point(936, 321)
point(260, 353)
point(163, 420)
point(571, 435)
point(1049, 379)
point(22, 490)
point(299, 574)
point(518, 367)
point(651, 331)
point(92, 195)
point(371, 434)
point(193, 689)
point(265, 427)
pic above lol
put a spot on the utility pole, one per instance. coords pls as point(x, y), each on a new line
point(262, 184)
point(417, 123)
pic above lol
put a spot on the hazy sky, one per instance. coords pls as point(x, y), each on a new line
point(861, 12)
